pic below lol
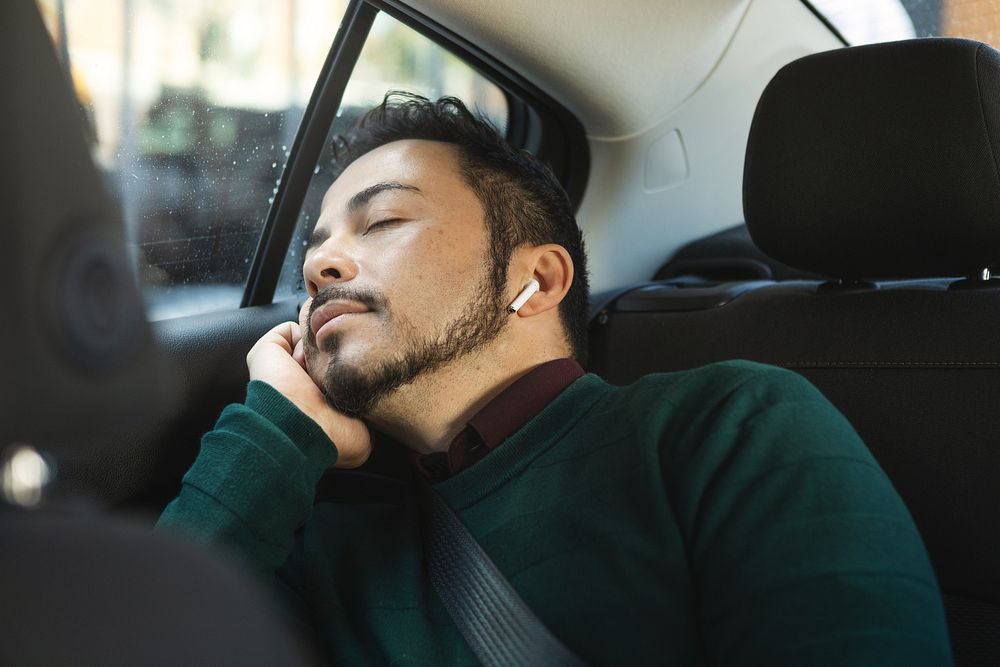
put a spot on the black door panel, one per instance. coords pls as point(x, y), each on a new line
point(206, 359)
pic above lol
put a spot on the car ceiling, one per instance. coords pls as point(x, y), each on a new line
point(665, 91)
point(618, 71)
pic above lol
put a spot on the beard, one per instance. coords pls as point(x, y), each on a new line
point(357, 390)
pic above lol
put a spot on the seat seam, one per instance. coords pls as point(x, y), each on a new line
point(982, 114)
point(888, 364)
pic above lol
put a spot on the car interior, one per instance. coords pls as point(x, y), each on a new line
point(749, 187)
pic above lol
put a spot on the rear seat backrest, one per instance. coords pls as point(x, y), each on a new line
point(868, 164)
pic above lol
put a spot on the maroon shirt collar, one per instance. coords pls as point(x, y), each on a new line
point(512, 408)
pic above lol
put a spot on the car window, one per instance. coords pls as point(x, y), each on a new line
point(191, 108)
point(394, 57)
point(871, 21)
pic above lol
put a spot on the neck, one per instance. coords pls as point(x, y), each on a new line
point(427, 414)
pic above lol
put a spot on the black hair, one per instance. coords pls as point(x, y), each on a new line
point(522, 199)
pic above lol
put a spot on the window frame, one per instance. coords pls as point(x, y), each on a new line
point(535, 122)
point(825, 21)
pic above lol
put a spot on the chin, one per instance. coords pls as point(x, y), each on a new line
point(336, 355)
point(327, 367)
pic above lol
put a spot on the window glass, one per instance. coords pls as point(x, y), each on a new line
point(191, 107)
point(870, 21)
point(395, 57)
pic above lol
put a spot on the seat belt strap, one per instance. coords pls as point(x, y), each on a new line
point(496, 623)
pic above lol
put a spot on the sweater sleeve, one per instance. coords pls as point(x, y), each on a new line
point(801, 549)
point(253, 483)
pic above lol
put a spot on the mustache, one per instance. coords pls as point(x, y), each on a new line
point(369, 298)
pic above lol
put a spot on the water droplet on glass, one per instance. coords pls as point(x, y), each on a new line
point(273, 165)
point(316, 170)
point(340, 112)
point(270, 200)
point(305, 243)
point(284, 148)
point(234, 161)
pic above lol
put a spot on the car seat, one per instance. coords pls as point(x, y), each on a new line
point(79, 587)
point(876, 166)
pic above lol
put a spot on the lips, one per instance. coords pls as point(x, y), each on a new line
point(330, 312)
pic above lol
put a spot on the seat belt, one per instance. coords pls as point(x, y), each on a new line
point(496, 623)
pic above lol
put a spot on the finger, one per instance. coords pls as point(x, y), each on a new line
point(277, 336)
point(304, 312)
point(285, 332)
point(281, 335)
point(298, 349)
point(299, 354)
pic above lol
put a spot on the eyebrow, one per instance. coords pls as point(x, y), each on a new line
point(317, 238)
point(360, 199)
point(366, 195)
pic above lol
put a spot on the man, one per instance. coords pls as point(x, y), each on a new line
point(726, 515)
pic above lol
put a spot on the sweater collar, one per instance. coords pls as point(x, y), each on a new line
point(503, 416)
point(533, 440)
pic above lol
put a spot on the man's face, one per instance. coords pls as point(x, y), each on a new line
point(399, 272)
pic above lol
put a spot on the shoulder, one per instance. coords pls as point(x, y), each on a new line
point(763, 412)
point(708, 411)
point(746, 383)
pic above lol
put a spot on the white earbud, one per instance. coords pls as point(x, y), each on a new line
point(523, 297)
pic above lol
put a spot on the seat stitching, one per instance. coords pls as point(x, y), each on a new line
point(982, 113)
point(888, 364)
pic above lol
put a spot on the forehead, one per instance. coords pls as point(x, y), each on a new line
point(431, 166)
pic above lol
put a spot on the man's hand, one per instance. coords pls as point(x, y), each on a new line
point(278, 359)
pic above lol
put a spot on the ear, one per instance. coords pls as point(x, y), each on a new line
point(551, 266)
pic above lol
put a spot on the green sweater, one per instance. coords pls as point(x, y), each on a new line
point(726, 515)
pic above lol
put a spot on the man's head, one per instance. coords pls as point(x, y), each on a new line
point(420, 231)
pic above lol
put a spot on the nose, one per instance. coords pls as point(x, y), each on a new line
point(326, 265)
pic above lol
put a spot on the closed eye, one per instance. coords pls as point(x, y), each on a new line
point(381, 224)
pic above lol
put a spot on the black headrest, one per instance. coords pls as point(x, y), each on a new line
point(879, 161)
point(77, 355)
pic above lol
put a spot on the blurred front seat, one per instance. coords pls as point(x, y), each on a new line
point(77, 358)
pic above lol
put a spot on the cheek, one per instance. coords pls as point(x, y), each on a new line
point(434, 275)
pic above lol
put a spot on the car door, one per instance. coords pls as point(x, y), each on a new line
point(213, 123)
